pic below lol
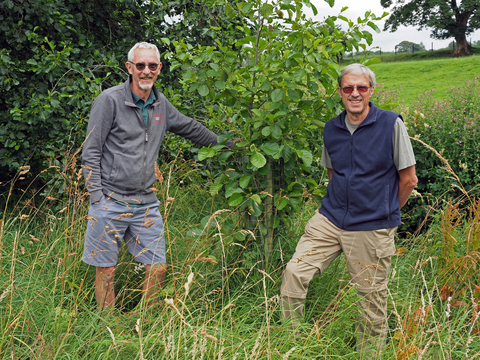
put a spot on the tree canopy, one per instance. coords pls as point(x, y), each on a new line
point(446, 18)
point(408, 46)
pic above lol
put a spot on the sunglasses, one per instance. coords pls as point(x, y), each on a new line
point(141, 66)
point(361, 89)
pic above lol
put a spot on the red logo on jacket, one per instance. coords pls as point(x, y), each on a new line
point(156, 118)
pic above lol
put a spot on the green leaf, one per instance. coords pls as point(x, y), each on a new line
point(224, 155)
point(203, 90)
point(293, 94)
point(374, 27)
point(206, 153)
point(277, 95)
point(276, 132)
point(266, 86)
point(258, 160)
point(215, 188)
point(219, 84)
point(175, 65)
point(166, 41)
point(372, 61)
point(257, 113)
point(232, 188)
point(270, 148)
point(319, 124)
point(282, 203)
point(266, 10)
point(245, 180)
point(235, 199)
point(256, 198)
point(267, 130)
point(307, 158)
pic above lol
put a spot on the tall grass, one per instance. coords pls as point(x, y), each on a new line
point(213, 306)
point(218, 302)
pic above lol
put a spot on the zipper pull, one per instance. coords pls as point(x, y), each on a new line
point(146, 136)
point(351, 144)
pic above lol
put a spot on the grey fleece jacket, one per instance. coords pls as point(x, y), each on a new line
point(119, 153)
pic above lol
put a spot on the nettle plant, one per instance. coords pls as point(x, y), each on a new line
point(272, 91)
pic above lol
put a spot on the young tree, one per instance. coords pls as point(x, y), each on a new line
point(274, 91)
point(446, 18)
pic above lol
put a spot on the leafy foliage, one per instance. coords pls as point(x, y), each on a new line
point(272, 90)
point(451, 127)
point(57, 56)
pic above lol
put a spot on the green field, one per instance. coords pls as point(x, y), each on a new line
point(413, 78)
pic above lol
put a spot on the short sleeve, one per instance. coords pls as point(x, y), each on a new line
point(403, 155)
point(326, 161)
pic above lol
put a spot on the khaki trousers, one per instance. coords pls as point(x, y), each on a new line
point(368, 256)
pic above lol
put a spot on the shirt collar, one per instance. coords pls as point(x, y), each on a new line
point(151, 99)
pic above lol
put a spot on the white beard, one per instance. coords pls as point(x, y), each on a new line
point(145, 87)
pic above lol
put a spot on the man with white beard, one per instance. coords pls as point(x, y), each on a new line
point(126, 128)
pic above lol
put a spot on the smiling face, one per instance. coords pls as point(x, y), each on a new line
point(142, 81)
point(356, 104)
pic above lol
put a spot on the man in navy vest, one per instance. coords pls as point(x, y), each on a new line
point(371, 167)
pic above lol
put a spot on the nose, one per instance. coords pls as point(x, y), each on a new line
point(355, 91)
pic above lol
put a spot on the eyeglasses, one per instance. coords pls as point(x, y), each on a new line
point(141, 66)
point(361, 89)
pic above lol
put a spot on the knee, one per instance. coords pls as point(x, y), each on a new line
point(106, 275)
point(294, 281)
point(155, 270)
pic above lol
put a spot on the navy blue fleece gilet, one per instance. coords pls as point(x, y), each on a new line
point(363, 192)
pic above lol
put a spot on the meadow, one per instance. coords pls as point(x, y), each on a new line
point(220, 300)
point(437, 76)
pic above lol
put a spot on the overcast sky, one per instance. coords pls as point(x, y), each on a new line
point(385, 40)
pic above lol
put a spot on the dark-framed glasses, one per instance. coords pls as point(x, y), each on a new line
point(141, 66)
point(362, 89)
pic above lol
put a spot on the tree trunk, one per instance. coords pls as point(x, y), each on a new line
point(462, 48)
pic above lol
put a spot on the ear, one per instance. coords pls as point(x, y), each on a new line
point(339, 90)
point(160, 66)
point(129, 67)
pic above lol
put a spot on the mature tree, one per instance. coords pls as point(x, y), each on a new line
point(408, 46)
point(446, 18)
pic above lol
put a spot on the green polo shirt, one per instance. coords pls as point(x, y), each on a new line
point(142, 105)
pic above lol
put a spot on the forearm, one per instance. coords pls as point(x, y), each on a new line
point(404, 192)
point(408, 181)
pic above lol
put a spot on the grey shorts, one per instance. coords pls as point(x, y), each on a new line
point(141, 228)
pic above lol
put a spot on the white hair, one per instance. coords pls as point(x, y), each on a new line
point(357, 69)
point(143, 45)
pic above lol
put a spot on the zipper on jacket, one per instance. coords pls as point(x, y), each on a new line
point(146, 135)
point(348, 178)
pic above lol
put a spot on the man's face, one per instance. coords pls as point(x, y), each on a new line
point(356, 103)
point(143, 80)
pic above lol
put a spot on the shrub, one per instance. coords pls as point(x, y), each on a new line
point(452, 127)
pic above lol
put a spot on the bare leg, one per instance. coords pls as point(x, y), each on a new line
point(104, 287)
point(153, 283)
